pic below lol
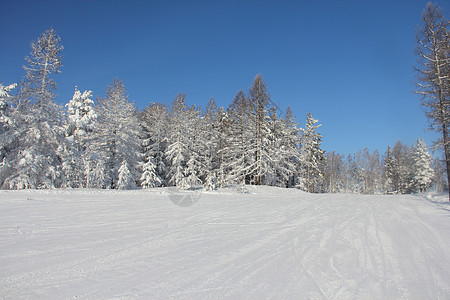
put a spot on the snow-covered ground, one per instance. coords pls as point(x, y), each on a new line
point(269, 243)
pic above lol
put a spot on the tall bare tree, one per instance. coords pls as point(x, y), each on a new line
point(433, 70)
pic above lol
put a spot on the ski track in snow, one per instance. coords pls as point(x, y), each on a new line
point(268, 244)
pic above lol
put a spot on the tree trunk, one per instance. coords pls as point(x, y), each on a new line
point(447, 156)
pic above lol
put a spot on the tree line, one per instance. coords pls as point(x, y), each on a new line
point(111, 144)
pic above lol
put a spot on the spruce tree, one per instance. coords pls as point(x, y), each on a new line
point(118, 137)
point(389, 172)
point(5, 118)
point(125, 179)
point(421, 167)
point(311, 157)
point(149, 178)
point(155, 122)
point(177, 149)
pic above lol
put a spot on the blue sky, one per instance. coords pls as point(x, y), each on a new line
point(348, 62)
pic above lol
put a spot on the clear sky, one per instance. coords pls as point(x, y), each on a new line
point(348, 62)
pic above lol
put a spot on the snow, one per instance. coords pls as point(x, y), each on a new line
point(267, 243)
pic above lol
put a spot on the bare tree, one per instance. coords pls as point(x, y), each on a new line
point(433, 73)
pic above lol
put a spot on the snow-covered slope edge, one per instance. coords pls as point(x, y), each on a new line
point(268, 243)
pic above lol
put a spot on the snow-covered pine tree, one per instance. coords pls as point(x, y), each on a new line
point(81, 114)
point(5, 119)
point(311, 157)
point(209, 143)
point(196, 170)
point(237, 158)
point(223, 131)
point(276, 174)
point(5, 125)
point(149, 178)
point(191, 177)
point(259, 105)
point(211, 182)
point(421, 167)
point(125, 179)
point(282, 146)
point(290, 139)
point(34, 143)
point(155, 121)
point(177, 150)
point(118, 134)
point(81, 122)
point(389, 172)
point(96, 173)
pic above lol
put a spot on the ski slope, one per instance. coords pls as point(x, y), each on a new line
point(268, 244)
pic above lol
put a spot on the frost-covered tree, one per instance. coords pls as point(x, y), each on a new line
point(35, 142)
point(433, 73)
point(211, 183)
point(191, 177)
point(177, 151)
point(291, 144)
point(421, 167)
point(439, 177)
point(222, 126)
point(125, 179)
point(333, 172)
point(367, 171)
point(155, 122)
point(149, 178)
point(5, 118)
point(311, 156)
point(259, 146)
point(237, 157)
point(195, 170)
point(118, 136)
point(81, 114)
point(81, 120)
point(389, 172)
point(209, 143)
point(402, 175)
point(44, 62)
point(285, 155)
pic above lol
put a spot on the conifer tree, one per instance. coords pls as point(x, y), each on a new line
point(34, 144)
point(259, 101)
point(210, 142)
point(155, 122)
point(237, 154)
point(125, 180)
point(118, 136)
point(149, 178)
point(389, 172)
point(81, 122)
point(312, 157)
point(421, 167)
point(5, 118)
point(177, 150)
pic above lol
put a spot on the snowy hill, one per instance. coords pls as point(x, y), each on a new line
point(268, 243)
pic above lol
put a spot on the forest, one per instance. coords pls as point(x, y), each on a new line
point(110, 144)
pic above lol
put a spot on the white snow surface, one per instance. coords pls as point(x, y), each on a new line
point(268, 244)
